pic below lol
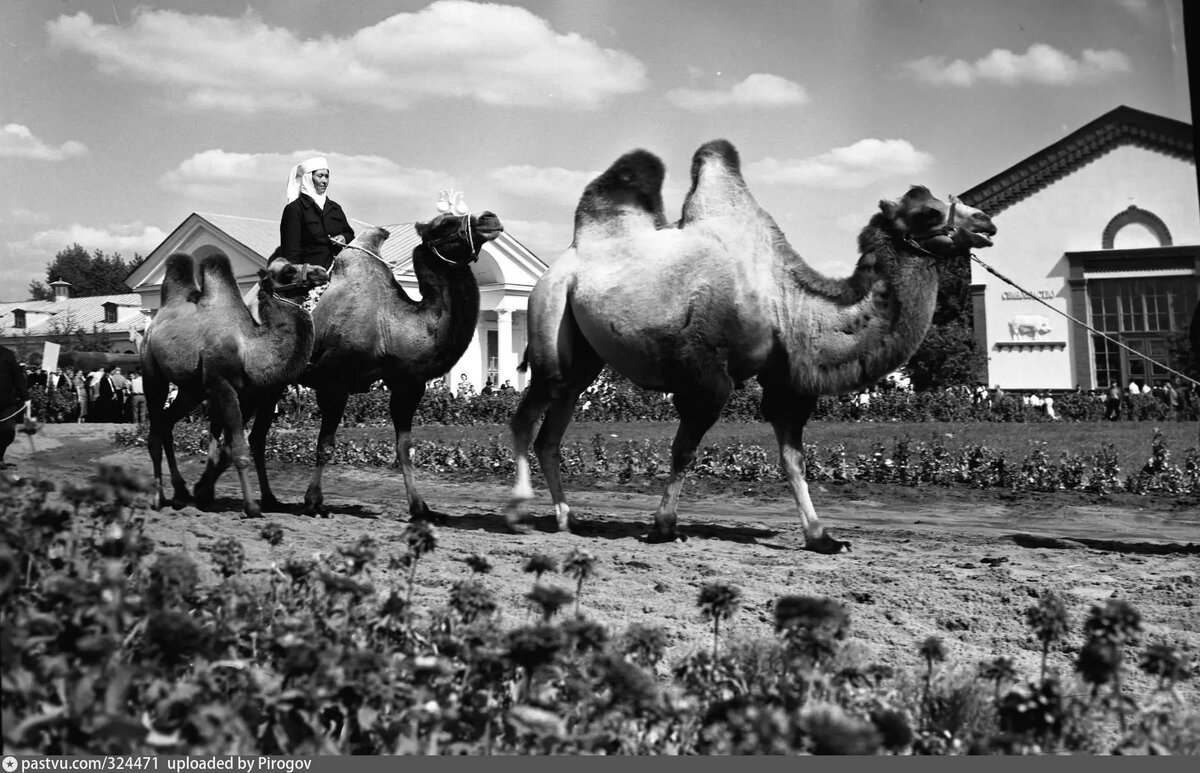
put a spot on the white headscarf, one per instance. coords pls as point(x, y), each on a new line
point(300, 180)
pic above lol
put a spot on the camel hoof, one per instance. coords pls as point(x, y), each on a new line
point(656, 537)
point(517, 523)
point(315, 511)
point(430, 516)
point(251, 514)
point(272, 505)
point(827, 545)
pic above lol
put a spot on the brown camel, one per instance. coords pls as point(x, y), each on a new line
point(205, 341)
point(368, 328)
point(721, 297)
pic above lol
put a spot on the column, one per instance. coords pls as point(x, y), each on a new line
point(508, 358)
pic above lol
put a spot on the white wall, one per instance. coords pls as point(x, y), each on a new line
point(1070, 216)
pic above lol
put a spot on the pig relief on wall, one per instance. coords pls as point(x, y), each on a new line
point(1029, 327)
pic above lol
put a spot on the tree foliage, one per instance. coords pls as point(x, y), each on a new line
point(949, 355)
point(94, 274)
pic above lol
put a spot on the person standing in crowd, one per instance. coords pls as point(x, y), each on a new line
point(1130, 391)
point(1112, 402)
point(80, 383)
point(506, 386)
point(14, 392)
point(487, 387)
point(105, 397)
point(313, 227)
point(137, 398)
point(465, 387)
point(120, 395)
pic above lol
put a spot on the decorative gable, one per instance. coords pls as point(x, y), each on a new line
point(1122, 126)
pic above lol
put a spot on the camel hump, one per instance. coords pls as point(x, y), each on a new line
point(718, 188)
point(216, 277)
point(371, 238)
point(721, 151)
point(179, 280)
point(632, 183)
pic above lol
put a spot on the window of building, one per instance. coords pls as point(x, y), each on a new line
point(1142, 313)
point(493, 356)
point(18, 318)
point(110, 313)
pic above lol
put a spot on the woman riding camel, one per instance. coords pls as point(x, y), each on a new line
point(313, 228)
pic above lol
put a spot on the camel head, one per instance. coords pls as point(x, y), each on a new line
point(289, 280)
point(934, 227)
point(458, 239)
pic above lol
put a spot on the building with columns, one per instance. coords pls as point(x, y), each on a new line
point(1102, 225)
point(506, 272)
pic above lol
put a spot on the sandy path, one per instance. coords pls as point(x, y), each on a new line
point(917, 569)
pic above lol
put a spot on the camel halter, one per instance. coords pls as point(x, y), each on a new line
point(464, 228)
point(912, 239)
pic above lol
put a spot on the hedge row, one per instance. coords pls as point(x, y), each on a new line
point(906, 462)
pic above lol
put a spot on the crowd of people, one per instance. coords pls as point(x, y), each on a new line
point(105, 395)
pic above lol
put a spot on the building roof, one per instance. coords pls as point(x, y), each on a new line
point(261, 237)
point(1122, 126)
point(86, 312)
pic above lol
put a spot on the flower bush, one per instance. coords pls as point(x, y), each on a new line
point(112, 647)
point(906, 462)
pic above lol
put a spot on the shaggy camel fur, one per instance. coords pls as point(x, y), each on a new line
point(721, 297)
point(368, 328)
point(205, 341)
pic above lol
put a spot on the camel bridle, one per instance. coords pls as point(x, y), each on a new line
point(464, 230)
point(915, 241)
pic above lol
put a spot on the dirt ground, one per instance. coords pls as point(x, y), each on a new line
point(959, 564)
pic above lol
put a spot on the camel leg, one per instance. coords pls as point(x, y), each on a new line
point(215, 466)
point(557, 397)
point(161, 439)
point(532, 406)
point(264, 416)
point(332, 406)
point(403, 406)
point(225, 410)
point(698, 411)
point(788, 413)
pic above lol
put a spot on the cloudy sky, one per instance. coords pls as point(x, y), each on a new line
point(118, 119)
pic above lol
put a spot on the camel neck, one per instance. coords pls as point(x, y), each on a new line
point(863, 327)
point(449, 297)
point(280, 346)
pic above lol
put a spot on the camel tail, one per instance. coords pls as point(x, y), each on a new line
point(179, 281)
point(523, 365)
point(632, 186)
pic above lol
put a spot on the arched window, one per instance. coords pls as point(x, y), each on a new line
point(1131, 216)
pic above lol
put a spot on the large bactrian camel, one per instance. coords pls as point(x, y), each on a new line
point(205, 341)
point(721, 297)
point(368, 328)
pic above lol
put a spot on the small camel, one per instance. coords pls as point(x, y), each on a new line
point(697, 308)
point(368, 328)
point(205, 341)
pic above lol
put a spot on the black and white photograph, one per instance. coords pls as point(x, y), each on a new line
point(563, 378)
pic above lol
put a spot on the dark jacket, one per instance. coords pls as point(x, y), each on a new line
point(14, 390)
point(304, 231)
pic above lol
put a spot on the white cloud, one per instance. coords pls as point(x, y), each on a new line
point(493, 54)
point(758, 90)
point(853, 166)
point(28, 216)
point(17, 141)
point(553, 184)
point(220, 177)
point(1041, 64)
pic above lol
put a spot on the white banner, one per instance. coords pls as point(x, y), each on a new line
point(50, 357)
